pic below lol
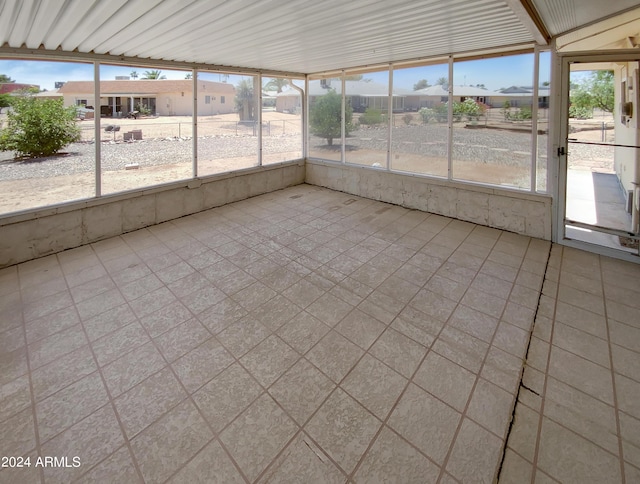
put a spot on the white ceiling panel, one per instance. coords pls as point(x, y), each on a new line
point(560, 16)
point(301, 36)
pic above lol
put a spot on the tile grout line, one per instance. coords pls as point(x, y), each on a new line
point(478, 376)
point(521, 384)
point(547, 368)
point(30, 376)
point(613, 377)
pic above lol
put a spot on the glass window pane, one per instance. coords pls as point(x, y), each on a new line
point(419, 138)
point(228, 126)
point(145, 126)
point(492, 102)
point(281, 119)
point(325, 118)
point(544, 83)
point(368, 133)
point(37, 170)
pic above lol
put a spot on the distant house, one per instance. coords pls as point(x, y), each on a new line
point(164, 97)
point(9, 87)
point(434, 95)
point(360, 95)
point(519, 96)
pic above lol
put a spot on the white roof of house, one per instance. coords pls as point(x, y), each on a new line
point(464, 91)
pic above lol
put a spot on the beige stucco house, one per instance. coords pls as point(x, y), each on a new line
point(163, 97)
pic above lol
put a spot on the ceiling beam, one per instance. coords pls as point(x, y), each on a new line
point(528, 15)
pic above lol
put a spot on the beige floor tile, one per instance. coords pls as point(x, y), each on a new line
point(14, 397)
point(582, 344)
point(108, 321)
point(221, 315)
point(202, 364)
point(492, 285)
point(391, 459)
point(269, 360)
point(98, 304)
point(630, 432)
point(503, 369)
point(301, 390)
point(170, 442)
point(40, 328)
point(483, 302)
point(17, 434)
point(117, 468)
point(130, 369)
point(226, 396)
point(623, 313)
point(474, 322)
point(343, 429)
point(582, 299)
point(70, 405)
point(461, 348)
point(22, 474)
point(210, 465)
point(166, 318)
point(625, 362)
point(581, 319)
point(303, 293)
point(243, 335)
point(580, 373)
point(254, 296)
point(500, 271)
point(329, 309)
point(183, 338)
point(475, 454)
point(92, 440)
point(433, 304)
point(151, 302)
point(257, 435)
point(360, 328)
point(569, 458)
point(55, 346)
point(628, 392)
point(625, 335)
point(303, 331)
point(511, 339)
point(447, 287)
point(276, 312)
point(46, 305)
point(449, 382)
point(374, 385)
point(63, 371)
point(303, 461)
point(399, 352)
point(426, 422)
point(491, 407)
point(514, 469)
point(334, 355)
point(203, 299)
point(143, 404)
point(114, 345)
point(524, 432)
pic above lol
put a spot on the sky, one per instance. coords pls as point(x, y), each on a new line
point(494, 73)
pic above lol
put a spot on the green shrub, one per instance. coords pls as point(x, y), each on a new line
point(143, 110)
point(371, 116)
point(426, 114)
point(38, 127)
point(580, 112)
point(407, 118)
point(325, 117)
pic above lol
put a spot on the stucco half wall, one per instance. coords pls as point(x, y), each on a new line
point(522, 213)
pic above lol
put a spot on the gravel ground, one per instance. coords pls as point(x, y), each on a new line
point(497, 147)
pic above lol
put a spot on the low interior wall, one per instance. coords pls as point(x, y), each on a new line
point(33, 234)
point(523, 213)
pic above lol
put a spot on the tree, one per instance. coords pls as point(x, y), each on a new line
point(421, 84)
point(188, 75)
point(134, 75)
point(38, 127)
point(5, 78)
point(276, 84)
point(354, 77)
point(325, 117)
point(244, 102)
point(442, 81)
point(596, 91)
point(153, 75)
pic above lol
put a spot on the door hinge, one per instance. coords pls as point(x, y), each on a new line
point(561, 151)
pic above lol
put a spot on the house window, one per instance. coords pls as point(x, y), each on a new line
point(81, 102)
point(207, 99)
point(221, 99)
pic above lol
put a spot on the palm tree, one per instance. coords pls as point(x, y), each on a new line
point(276, 84)
point(134, 74)
point(244, 100)
point(153, 75)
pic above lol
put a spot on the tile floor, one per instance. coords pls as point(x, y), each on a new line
point(578, 413)
point(308, 336)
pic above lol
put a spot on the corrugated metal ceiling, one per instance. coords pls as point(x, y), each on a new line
point(560, 16)
point(293, 36)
